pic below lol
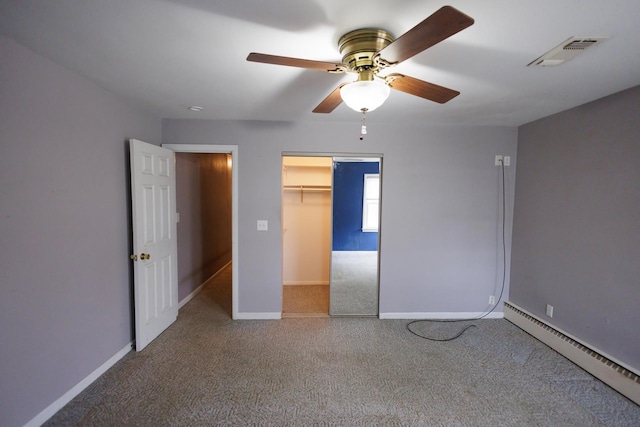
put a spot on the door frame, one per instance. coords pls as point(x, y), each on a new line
point(233, 150)
point(348, 155)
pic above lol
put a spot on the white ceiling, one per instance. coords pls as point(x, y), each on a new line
point(167, 55)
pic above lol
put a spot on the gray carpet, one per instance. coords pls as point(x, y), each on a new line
point(354, 283)
point(207, 370)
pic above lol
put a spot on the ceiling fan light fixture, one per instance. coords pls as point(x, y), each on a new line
point(367, 51)
point(364, 95)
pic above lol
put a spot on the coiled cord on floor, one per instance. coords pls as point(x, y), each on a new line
point(504, 278)
point(462, 331)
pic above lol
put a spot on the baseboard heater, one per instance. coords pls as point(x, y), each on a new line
point(618, 377)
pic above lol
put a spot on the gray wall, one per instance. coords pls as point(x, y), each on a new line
point(65, 280)
point(576, 242)
point(65, 303)
point(440, 231)
point(203, 196)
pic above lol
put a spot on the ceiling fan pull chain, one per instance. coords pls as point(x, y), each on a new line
point(363, 129)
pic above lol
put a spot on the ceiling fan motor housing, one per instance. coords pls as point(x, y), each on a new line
point(359, 47)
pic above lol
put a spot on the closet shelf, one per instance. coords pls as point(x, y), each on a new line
point(303, 188)
point(306, 187)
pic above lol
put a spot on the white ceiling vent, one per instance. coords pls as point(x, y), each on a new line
point(566, 50)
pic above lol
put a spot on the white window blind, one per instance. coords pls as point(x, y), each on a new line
point(371, 202)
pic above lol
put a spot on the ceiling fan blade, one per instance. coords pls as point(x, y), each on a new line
point(330, 102)
point(444, 23)
point(295, 62)
point(426, 90)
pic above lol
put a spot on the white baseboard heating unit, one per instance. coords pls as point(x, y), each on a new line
point(597, 363)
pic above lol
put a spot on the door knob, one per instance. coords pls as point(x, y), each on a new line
point(133, 257)
point(144, 256)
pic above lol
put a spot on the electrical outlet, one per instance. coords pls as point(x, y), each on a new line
point(549, 310)
point(263, 225)
point(500, 159)
point(492, 299)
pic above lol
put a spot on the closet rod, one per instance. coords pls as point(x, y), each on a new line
point(302, 188)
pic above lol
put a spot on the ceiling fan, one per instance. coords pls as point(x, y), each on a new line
point(368, 51)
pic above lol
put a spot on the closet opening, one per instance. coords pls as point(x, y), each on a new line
point(330, 232)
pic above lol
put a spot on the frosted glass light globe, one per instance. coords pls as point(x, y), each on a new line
point(364, 95)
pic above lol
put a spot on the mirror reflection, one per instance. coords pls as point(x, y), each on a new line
point(354, 247)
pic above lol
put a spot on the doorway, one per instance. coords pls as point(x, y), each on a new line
point(330, 234)
point(306, 235)
point(203, 203)
point(232, 151)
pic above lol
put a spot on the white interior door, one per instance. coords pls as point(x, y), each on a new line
point(155, 250)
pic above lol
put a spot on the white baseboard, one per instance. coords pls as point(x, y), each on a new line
point(199, 289)
point(440, 316)
point(305, 282)
point(51, 410)
point(616, 374)
point(259, 316)
point(191, 296)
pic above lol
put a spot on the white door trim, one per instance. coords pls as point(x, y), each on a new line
point(233, 150)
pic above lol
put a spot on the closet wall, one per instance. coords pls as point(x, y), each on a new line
point(306, 211)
